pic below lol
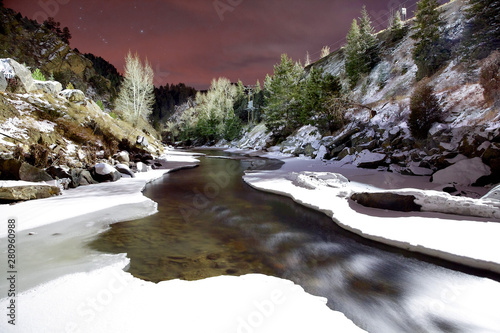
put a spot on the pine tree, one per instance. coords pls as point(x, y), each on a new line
point(483, 28)
point(283, 113)
point(353, 52)
point(397, 28)
point(136, 97)
point(430, 51)
point(361, 48)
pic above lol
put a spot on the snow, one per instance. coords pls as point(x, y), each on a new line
point(6, 68)
point(465, 172)
point(91, 292)
point(104, 169)
point(461, 238)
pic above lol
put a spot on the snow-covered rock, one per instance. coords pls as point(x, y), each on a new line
point(123, 157)
point(493, 194)
point(368, 159)
point(124, 170)
point(12, 68)
point(73, 95)
point(464, 172)
point(105, 172)
point(49, 87)
point(141, 167)
point(142, 141)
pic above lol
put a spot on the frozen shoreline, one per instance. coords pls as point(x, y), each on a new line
point(90, 292)
point(471, 241)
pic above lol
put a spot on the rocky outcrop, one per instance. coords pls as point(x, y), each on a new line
point(388, 201)
point(49, 87)
point(74, 96)
point(27, 192)
point(13, 70)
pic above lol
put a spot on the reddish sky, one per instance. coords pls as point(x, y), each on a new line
point(193, 41)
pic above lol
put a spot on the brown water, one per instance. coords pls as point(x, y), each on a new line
point(211, 223)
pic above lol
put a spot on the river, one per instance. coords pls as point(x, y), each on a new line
point(211, 223)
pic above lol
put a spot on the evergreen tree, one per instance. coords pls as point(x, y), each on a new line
point(353, 51)
point(430, 51)
point(483, 27)
point(361, 49)
point(283, 112)
point(397, 28)
point(425, 110)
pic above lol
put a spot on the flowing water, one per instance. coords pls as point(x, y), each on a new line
point(211, 223)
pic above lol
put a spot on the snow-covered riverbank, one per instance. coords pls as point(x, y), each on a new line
point(472, 241)
point(62, 286)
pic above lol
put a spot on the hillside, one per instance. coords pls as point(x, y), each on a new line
point(468, 135)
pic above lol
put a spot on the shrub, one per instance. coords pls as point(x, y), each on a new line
point(70, 86)
point(425, 110)
point(39, 155)
point(489, 78)
point(100, 104)
point(38, 75)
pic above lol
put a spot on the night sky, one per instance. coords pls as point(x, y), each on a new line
point(193, 41)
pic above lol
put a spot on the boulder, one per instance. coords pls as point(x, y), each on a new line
point(493, 194)
point(9, 169)
point(124, 170)
point(123, 157)
point(103, 172)
point(49, 87)
point(12, 69)
point(465, 172)
point(367, 159)
point(80, 177)
point(388, 201)
point(74, 96)
point(58, 172)
point(142, 141)
point(12, 192)
point(29, 173)
point(141, 167)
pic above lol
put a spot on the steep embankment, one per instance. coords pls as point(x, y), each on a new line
point(467, 138)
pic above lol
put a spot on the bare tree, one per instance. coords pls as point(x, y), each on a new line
point(136, 97)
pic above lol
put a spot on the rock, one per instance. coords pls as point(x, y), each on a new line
point(104, 172)
point(493, 194)
point(57, 172)
point(74, 96)
point(29, 173)
point(124, 170)
point(12, 69)
point(465, 172)
point(388, 201)
point(28, 192)
point(80, 177)
point(367, 159)
point(9, 169)
point(142, 141)
point(123, 157)
point(3, 82)
point(49, 87)
point(141, 167)
point(85, 178)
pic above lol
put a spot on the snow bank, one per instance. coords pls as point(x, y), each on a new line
point(466, 240)
point(111, 300)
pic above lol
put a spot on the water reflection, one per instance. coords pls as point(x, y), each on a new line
point(211, 223)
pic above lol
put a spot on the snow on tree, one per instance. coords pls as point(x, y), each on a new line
point(136, 97)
